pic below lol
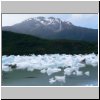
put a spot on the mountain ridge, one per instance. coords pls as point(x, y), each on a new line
point(53, 28)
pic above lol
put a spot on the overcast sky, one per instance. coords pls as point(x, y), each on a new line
point(84, 20)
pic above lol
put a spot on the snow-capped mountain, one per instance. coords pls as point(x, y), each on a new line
point(53, 28)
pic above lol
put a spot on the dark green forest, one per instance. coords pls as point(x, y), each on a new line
point(21, 44)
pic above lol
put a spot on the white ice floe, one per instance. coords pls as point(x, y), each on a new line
point(8, 59)
point(51, 62)
point(89, 85)
point(6, 68)
point(79, 73)
point(52, 70)
point(68, 71)
point(87, 73)
point(92, 59)
point(43, 71)
point(52, 80)
point(60, 79)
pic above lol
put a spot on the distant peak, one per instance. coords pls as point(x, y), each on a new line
point(68, 22)
point(51, 18)
point(48, 20)
point(40, 17)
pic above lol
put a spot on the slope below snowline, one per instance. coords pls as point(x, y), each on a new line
point(21, 44)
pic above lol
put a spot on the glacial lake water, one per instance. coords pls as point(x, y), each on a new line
point(21, 77)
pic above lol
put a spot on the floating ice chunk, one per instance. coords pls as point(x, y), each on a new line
point(68, 71)
point(89, 85)
point(53, 70)
point(80, 65)
point(79, 73)
point(52, 80)
point(92, 59)
point(7, 59)
point(60, 79)
point(87, 73)
point(22, 65)
point(6, 68)
point(74, 73)
point(43, 71)
point(30, 69)
point(51, 62)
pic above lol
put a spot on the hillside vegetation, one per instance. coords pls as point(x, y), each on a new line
point(21, 44)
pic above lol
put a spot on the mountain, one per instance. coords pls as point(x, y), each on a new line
point(53, 28)
point(22, 44)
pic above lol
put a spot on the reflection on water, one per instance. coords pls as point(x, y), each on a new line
point(36, 78)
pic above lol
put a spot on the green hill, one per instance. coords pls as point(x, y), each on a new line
point(21, 44)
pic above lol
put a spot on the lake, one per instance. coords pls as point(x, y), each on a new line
point(35, 78)
point(50, 70)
